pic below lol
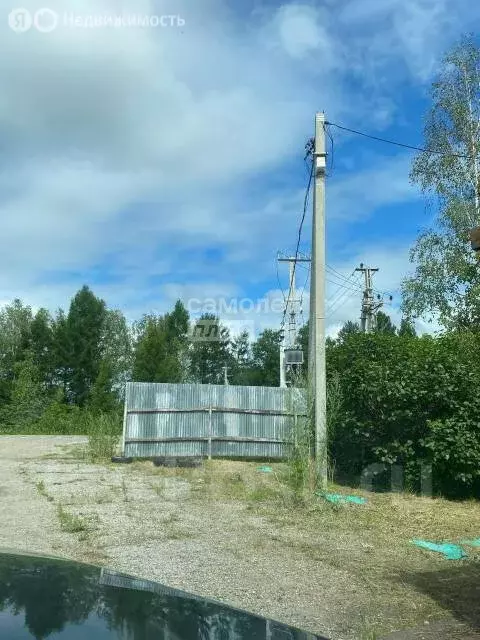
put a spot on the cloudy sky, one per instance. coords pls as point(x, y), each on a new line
point(167, 162)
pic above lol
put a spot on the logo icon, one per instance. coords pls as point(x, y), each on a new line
point(20, 20)
point(45, 20)
point(207, 330)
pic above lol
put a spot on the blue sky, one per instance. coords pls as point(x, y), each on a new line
point(163, 163)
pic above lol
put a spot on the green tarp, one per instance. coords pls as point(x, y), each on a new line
point(338, 498)
point(449, 551)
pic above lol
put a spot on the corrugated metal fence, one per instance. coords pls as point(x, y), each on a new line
point(209, 420)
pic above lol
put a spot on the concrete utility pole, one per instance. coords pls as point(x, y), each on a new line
point(316, 362)
point(370, 306)
point(225, 376)
point(291, 312)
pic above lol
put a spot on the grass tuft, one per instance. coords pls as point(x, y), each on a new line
point(69, 522)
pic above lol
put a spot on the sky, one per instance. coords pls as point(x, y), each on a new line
point(154, 163)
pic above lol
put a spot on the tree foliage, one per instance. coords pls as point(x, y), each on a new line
point(210, 350)
point(161, 347)
point(384, 324)
point(84, 332)
point(446, 282)
point(408, 402)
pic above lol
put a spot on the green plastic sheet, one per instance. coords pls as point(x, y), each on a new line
point(265, 469)
point(338, 498)
point(449, 551)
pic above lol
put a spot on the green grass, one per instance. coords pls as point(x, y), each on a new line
point(69, 522)
point(177, 533)
point(369, 543)
point(103, 437)
point(43, 491)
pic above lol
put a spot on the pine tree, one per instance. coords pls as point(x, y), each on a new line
point(102, 397)
point(266, 360)
point(85, 326)
point(240, 349)
point(407, 329)
point(384, 324)
point(209, 351)
point(42, 346)
point(61, 353)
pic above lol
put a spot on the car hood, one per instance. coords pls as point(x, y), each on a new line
point(43, 597)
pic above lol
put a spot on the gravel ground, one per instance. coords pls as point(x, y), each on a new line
point(160, 529)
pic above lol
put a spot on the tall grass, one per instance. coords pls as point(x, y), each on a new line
point(301, 463)
point(303, 474)
point(103, 432)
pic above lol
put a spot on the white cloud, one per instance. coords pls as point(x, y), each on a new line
point(358, 194)
point(127, 151)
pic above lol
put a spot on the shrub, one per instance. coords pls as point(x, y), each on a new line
point(408, 401)
point(104, 432)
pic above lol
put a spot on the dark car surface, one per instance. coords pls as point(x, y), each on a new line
point(42, 597)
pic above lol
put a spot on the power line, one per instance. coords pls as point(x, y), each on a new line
point(339, 294)
point(332, 149)
point(352, 285)
point(279, 283)
point(344, 286)
point(304, 287)
point(338, 303)
point(305, 205)
point(340, 297)
point(400, 144)
point(335, 274)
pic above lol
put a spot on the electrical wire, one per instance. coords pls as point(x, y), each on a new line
point(339, 296)
point(305, 205)
point(339, 303)
point(336, 274)
point(343, 283)
point(279, 283)
point(399, 144)
point(305, 285)
point(332, 150)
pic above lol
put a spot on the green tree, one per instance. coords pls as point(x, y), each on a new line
point(15, 323)
point(41, 333)
point(209, 350)
point(161, 347)
point(407, 329)
point(240, 350)
point(61, 352)
point(384, 324)
point(348, 329)
point(28, 399)
point(117, 350)
point(177, 326)
point(266, 359)
point(446, 282)
point(85, 327)
point(102, 397)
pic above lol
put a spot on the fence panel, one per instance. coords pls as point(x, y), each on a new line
point(209, 420)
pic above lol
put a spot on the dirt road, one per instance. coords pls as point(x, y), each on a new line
point(161, 528)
